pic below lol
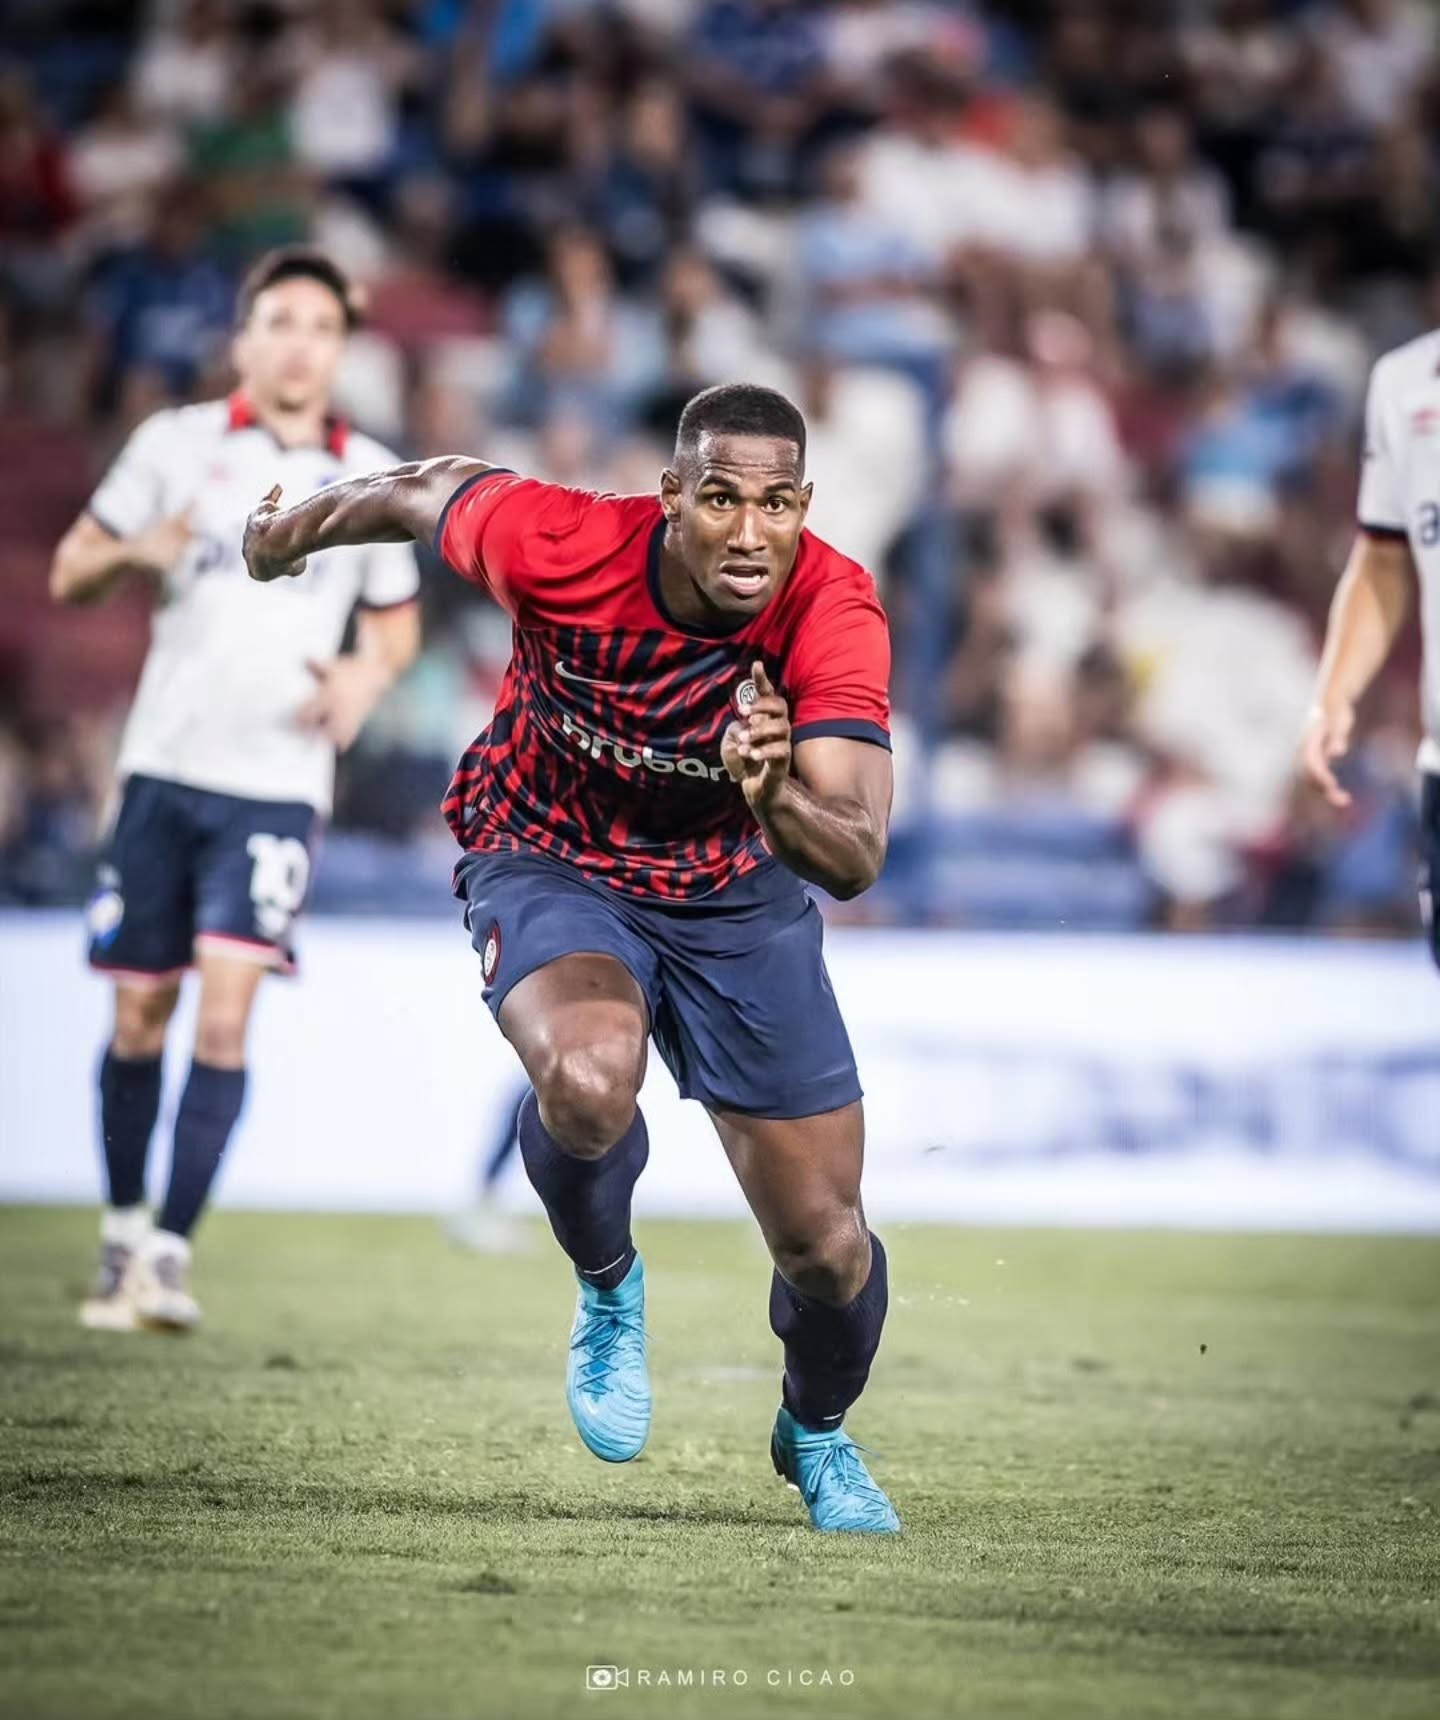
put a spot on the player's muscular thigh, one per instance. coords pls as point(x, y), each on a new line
point(579, 1025)
point(801, 1177)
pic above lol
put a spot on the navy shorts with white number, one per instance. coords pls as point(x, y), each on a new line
point(740, 1003)
point(1430, 860)
point(187, 867)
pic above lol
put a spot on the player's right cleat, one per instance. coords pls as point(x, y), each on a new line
point(607, 1384)
point(108, 1307)
point(828, 1472)
point(159, 1284)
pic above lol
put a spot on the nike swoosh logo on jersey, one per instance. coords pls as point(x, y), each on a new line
point(588, 680)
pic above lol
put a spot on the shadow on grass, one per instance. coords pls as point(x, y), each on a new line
point(67, 1490)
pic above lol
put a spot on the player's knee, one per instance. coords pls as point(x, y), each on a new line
point(827, 1259)
point(587, 1098)
point(220, 1039)
point(141, 1017)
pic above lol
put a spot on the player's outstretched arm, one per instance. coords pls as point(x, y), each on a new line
point(1368, 611)
point(393, 506)
point(824, 805)
point(90, 561)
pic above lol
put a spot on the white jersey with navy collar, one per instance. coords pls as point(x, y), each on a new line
point(1400, 493)
point(226, 672)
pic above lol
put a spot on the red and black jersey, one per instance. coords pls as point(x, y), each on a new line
point(604, 749)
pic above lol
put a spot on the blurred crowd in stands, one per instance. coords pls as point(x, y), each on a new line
point(1079, 298)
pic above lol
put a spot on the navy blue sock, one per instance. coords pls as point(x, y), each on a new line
point(208, 1110)
point(828, 1350)
point(129, 1105)
point(588, 1200)
point(504, 1143)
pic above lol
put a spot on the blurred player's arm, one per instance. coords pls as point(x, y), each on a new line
point(392, 506)
point(1368, 611)
point(90, 560)
point(131, 525)
point(824, 803)
point(348, 688)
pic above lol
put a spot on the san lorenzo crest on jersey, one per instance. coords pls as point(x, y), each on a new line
point(490, 954)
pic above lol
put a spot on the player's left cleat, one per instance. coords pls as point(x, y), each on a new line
point(109, 1306)
point(827, 1470)
point(484, 1229)
point(159, 1284)
point(607, 1384)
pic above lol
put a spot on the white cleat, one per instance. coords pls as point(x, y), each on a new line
point(159, 1284)
point(108, 1307)
point(484, 1229)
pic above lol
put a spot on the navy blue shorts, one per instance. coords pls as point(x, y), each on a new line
point(740, 1004)
point(1430, 860)
point(185, 869)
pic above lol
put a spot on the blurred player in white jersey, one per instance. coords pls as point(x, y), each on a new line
point(228, 758)
point(1396, 548)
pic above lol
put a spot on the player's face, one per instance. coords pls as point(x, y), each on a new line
point(287, 353)
point(737, 509)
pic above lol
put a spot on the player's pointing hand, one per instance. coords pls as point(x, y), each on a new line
point(756, 747)
point(264, 550)
point(347, 689)
point(1326, 742)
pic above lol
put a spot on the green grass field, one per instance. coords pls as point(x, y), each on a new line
point(1141, 1475)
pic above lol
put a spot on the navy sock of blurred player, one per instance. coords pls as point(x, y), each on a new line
point(828, 1350)
point(129, 1105)
point(587, 1200)
point(505, 1143)
point(208, 1112)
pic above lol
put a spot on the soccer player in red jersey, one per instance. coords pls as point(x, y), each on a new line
point(694, 724)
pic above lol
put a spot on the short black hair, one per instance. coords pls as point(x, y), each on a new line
point(295, 263)
point(739, 409)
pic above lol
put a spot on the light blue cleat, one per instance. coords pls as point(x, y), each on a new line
point(830, 1475)
point(607, 1384)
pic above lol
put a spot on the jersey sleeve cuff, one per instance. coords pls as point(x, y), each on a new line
point(461, 490)
point(379, 605)
point(1390, 534)
point(105, 525)
point(842, 728)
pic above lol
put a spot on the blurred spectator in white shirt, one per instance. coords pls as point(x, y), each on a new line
point(1380, 51)
point(916, 172)
point(121, 163)
point(1167, 193)
point(1040, 431)
point(1224, 675)
point(1035, 202)
point(184, 71)
point(344, 115)
point(861, 279)
point(865, 454)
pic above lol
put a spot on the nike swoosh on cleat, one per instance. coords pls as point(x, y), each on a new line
point(588, 680)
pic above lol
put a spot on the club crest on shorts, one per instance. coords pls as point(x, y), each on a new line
point(745, 696)
point(105, 912)
point(490, 953)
